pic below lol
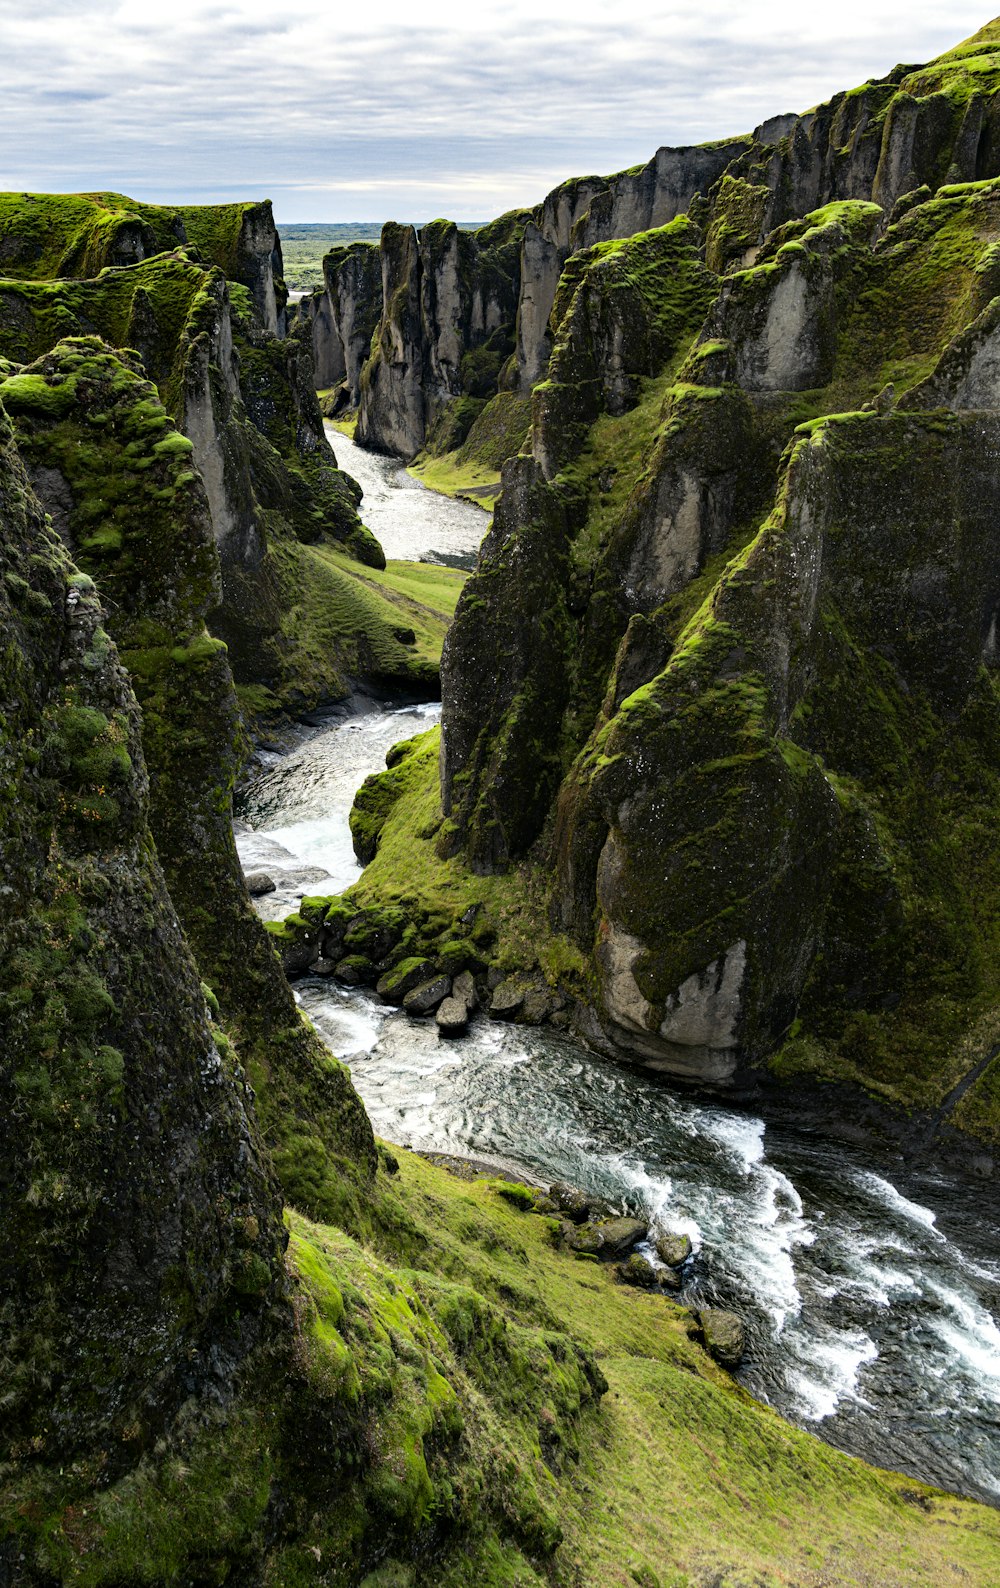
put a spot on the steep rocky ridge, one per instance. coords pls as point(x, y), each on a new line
point(724, 679)
point(50, 235)
point(444, 333)
point(144, 1233)
point(927, 126)
point(343, 318)
point(247, 402)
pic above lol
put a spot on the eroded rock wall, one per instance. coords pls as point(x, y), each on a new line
point(445, 330)
point(144, 1236)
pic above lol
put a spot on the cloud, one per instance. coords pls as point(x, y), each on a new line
point(404, 110)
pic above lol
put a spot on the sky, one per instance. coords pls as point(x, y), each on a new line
point(385, 110)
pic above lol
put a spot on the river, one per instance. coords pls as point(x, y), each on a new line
point(410, 521)
point(870, 1291)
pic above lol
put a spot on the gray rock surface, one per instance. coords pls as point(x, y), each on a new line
point(423, 1000)
point(724, 1334)
point(452, 1017)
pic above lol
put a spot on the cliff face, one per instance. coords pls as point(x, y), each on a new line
point(719, 652)
point(595, 210)
point(920, 126)
point(123, 487)
point(144, 1237)
point(344, 317)
point(50, 235)
point(246, 400)
point(448, 300)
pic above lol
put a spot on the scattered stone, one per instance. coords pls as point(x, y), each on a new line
point(258, 882)
point(403, 978)
point(582, 1238)
point(354, 970)
point(618, 1236)
point(724, 1334)
point(570, 1201)
point(670, 1278)
point(494, 976)
point(323, 966)
point(560, 1020)
point(506, 1001)
point(423, 1000)
point(464, 987)
point(452, 1017)
point(536, 1006)
point(637, 1270)
point(673, 1249)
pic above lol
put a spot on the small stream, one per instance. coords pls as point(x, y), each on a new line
point(411, 522)
point(871, 1293)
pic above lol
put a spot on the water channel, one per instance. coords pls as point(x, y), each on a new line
point(871, 1291)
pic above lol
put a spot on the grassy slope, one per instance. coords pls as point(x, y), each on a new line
point(680, 1472)
point(468, 1406)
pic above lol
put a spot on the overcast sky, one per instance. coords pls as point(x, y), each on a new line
point(377, 110)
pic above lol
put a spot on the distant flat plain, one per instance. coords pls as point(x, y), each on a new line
point(303, 244)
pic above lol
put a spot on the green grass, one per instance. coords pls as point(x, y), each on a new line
point(454, 477)
point(678, 1472)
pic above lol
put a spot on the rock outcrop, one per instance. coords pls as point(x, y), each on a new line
point(445, 330)
point(144, 1241)
point(647, 683)
point(343, 317)
point(44, 236)
point(246, 401)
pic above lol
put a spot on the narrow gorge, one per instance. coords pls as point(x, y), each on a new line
point(500, 778)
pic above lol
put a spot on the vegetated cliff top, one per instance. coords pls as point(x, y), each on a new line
point(45, 235)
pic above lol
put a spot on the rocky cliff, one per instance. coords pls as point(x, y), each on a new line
point(723, 684)
point(48, 235)
point(343, 318)
point(919, 126)
point(282, 513)
point(444, 333)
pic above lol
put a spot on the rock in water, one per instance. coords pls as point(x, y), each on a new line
point(673, 1249)
point(452, 1017)
point(506, 1001)
point(258, 883)
point(575, 1204)
point(637, 1270)
point(425, 998)
point(724, 1334)
point(618, 1236)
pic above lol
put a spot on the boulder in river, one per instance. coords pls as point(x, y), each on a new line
point(423, 1000)
point(506, 1000)
point(403, 978)
point(452, 1017)
point(464, 987)
point(575, 1204)
point(724, 1334)
point(354, 970)
point(637, 1270)
point(618, 1236)
point(673, 1249)
point(258, 883)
